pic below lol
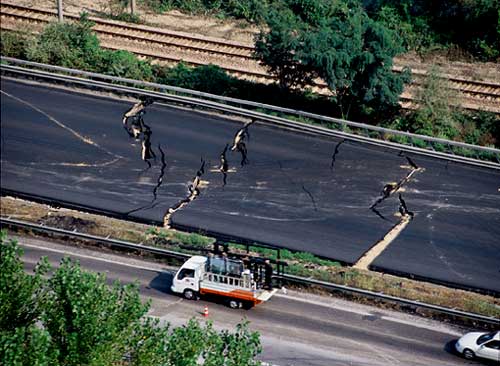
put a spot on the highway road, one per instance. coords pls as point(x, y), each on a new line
point(296, 328)
point(298, 191)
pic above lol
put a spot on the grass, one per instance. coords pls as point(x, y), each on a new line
point(299, 263)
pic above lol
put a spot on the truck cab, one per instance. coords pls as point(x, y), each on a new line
point(187, 279)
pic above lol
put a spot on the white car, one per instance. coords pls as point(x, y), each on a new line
point(478, 344)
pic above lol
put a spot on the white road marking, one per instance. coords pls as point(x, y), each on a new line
point(91, 257)
point(434, 327)
point(324, 304)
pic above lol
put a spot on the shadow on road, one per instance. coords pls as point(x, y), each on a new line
point(162, 282)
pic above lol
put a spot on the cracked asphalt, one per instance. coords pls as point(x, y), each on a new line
point(287, 194)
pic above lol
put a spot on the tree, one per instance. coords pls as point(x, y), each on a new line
point(338, 42)
point(436, 111)
point(22, 296)
point(90, 322)
point(76, 318)
point(22, 300)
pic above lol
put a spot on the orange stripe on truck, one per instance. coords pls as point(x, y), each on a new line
point(235, 294)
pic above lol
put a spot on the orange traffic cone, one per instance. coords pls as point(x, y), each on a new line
point(205, 311)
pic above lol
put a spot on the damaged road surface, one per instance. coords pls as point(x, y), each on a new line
point(286, 194)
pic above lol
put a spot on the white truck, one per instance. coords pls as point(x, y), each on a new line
point(223, 277)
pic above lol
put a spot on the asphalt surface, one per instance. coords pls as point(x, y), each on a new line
point(72, 147)
point(296, 328)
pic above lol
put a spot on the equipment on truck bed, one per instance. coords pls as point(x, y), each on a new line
point(243, 283)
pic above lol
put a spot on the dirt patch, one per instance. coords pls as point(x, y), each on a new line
point(68, 223)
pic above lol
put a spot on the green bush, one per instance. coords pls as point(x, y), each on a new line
point(473, 26)
point(67, 44)
point(250, 10)
point(125, 64)
point(14, 44)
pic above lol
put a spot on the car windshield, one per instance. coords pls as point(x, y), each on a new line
point(485, 338)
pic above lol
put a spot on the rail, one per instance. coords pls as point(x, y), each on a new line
point(291, 278)
point(327, 126)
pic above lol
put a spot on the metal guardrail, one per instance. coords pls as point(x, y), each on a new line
point(354, 131)
point(291, 278)
point(108, 241)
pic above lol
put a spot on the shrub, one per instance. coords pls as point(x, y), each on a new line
point(125, 64)
point(67, 44)
point(14, 44)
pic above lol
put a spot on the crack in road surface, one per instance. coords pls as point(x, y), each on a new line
point(239, 142)
point(147, 152)
point(377, 212)
point(292, 181)
point(134, 125)
point(194, 192)
point(376, 250)
point(159, 181)
point(403, 209)
point(137, 109)
point(335, 152)
point(393, 187)
point(406, 216)
point(311, 197)
point(224, 166)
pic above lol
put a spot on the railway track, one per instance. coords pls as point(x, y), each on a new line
point(169, 47)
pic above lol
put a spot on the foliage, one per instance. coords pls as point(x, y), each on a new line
point(90, 322)
point(337, 42)
point(471, 25)
point(67, 44)
point(14, 44)
point(119, 10)
point(75, 318)
point(438, 115)
point(435, 115)
point(207, 78)
point(75, 45)
point(251, 10)
point(414, 33)
point(21, 296)
point(125, 64)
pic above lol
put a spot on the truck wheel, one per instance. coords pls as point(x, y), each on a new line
point(235, 304)
point(189, 294)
